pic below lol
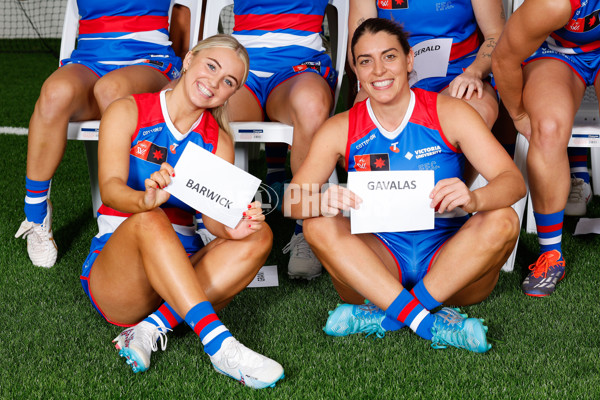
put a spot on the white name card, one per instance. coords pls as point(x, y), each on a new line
point(431, 59)
point(393, 201)
point(212, 186)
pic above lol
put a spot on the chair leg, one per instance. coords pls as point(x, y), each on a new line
point(595, 159)
point(91, 150)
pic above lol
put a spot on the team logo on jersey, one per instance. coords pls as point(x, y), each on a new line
point(148, 151)
point(316, 65)
point(372, 162)
point(393, 148)
point(584, 24)
point(173, 147)
point(392, 4)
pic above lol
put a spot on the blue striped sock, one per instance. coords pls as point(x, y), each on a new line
point(36, 200)
point(549, 227)
point(425, 298)
point(578, 160)
point(164, 317)
point(407, 309)
point(205, 323)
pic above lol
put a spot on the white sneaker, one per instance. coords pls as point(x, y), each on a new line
point(303, 262)
point(41, 247)
point(246, 366)
point(137, 343)
point(579, 197)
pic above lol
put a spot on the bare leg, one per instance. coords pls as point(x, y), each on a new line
point(126, 81)
point(243, 106)
point(466, 269)
point(66, 95)
point(144, 262)
point(303, 101)
point(551, 123)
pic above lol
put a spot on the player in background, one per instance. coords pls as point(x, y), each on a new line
point(542, 66)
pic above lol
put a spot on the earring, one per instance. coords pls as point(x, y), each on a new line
point(183, 71)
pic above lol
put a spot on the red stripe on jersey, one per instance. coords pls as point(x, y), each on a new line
point(407, 310)
point(139, 23)
point(578, 158)
point(106, 210)
point(465, 47)
point(549, 228)
point(204, 322)
point(586, 48)
point(273, 22)
point(179, 217)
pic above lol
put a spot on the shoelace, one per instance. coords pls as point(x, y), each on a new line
point(157, 334)
point(544, 263)
point(300, 247)
point(29, 228)
point(371, 315)
point(576, 193)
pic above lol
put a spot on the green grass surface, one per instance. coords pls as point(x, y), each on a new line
point(54, 345)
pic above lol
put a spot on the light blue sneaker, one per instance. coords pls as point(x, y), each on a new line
point(347, 319)
point(451, 328)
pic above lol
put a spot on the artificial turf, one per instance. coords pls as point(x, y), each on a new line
point(54, 345)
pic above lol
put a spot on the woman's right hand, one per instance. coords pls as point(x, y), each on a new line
point(337, 198)
point(154, 194)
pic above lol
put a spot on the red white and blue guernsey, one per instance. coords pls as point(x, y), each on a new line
point(417, 144)
point(156, 140)
point(283, 38)
point(577, 44)
point(433, 19)
point(582, 33)
point(119, 33)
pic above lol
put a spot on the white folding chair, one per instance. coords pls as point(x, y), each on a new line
point(88, 130)
point(585, 133)
point(263, 132)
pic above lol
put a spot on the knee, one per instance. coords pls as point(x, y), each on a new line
point(107, 90)
point(317, 231)
point(258, 245)
point(550, 134)
point(56, 98)
point(502, 228)
point(309, 111)
point(154, 221)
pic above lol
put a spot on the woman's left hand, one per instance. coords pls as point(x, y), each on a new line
point(451, 193)
point(464, 85)
point(252, 221)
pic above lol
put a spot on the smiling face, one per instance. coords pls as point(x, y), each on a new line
point(213, 75)
point(382, 67)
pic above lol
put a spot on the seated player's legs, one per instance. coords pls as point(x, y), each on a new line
point(66, 95)
point(129, 80)
point(360, 265)
point(466, 268)
point(246, 104)
point(304, 101)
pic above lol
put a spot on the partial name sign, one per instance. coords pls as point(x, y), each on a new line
point(212, 186)
point(393, 201)
point(431, 59)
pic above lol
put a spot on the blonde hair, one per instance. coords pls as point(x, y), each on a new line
point(228, 42)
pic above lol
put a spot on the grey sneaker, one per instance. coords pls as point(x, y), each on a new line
point(579, 197)
point(303, 262)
